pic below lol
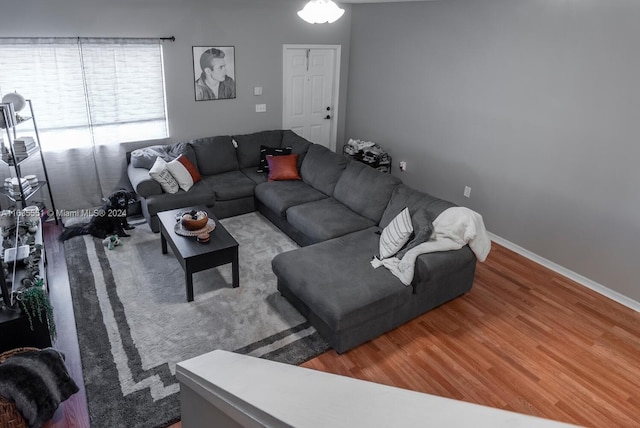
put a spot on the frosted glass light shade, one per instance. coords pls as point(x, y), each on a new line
point(321, 11)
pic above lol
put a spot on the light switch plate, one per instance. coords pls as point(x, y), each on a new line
point(257, 90)
point(261, 108)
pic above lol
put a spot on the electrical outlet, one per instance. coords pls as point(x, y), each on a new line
point(467, 191)
point(403, 166)
point(261, 108)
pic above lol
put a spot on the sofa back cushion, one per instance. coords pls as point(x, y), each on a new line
point(298, 144)
point(322, 168)
point(404, 196)
point(249, 146)
point(365, 190)
point(215, 154)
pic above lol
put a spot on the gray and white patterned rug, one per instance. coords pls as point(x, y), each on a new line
point(134, 323)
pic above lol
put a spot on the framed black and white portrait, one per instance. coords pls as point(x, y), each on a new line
point(214, 72)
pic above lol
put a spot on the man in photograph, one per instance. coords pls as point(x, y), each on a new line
point(214, 83)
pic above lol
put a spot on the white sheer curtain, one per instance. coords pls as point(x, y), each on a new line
point(86, 93)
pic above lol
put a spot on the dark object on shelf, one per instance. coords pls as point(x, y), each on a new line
point(368, 153)
point(16, 333)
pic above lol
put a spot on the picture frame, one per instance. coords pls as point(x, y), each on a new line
point(214, 71)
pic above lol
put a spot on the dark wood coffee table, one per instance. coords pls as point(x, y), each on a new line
point(194, 256)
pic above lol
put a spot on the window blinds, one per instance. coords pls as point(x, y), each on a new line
point(88, 91)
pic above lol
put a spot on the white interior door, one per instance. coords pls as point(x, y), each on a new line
point(310, 96)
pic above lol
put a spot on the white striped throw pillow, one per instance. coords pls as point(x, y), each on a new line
point(396, 234)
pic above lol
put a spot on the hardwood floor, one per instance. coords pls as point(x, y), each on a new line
point(72, 413)
point(524, 339)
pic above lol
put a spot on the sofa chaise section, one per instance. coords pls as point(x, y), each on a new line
point(348, 301)
point(333, 285)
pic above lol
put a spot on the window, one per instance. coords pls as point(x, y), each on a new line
point(88, 91)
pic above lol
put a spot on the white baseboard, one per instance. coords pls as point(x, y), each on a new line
point(598, 288)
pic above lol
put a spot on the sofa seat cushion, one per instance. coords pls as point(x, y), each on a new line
point(322, 168)
point(351, 292)
point(325, 219)
point(254, 175)
point(279, 196)
point(365, 190)
point(230, 185)
point(199, 194)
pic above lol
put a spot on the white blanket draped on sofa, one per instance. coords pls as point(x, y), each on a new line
point(453, 229)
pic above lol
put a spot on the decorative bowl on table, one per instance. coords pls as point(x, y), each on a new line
point(194, 220)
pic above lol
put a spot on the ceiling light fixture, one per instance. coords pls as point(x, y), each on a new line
point(321, 11)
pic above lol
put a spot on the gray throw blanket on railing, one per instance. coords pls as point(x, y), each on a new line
point(37, 381)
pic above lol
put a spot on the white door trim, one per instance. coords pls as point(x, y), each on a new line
point(336, 86)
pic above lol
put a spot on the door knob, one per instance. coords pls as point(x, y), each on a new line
point(327, 117)
point(328, 108)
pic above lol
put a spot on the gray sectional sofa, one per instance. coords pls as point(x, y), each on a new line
point(336, 213)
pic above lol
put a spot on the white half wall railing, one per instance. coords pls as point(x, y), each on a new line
point(224, 389)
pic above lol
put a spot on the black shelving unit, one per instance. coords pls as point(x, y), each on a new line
point(14, 161)
point(15, 330)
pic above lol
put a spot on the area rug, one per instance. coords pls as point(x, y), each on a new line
point(134, 323)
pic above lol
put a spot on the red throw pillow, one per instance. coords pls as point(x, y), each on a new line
point(283, 167)
point(193, 171)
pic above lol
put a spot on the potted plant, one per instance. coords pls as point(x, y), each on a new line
point(35, 303)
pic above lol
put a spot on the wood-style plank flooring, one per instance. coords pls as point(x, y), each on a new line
point(73, 412)
point(524, 339)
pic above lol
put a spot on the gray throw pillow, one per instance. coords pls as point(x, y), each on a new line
point(146, 157)
point(422, 228)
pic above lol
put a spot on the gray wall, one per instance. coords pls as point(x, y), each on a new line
point(535, 104)
point(257, 29)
